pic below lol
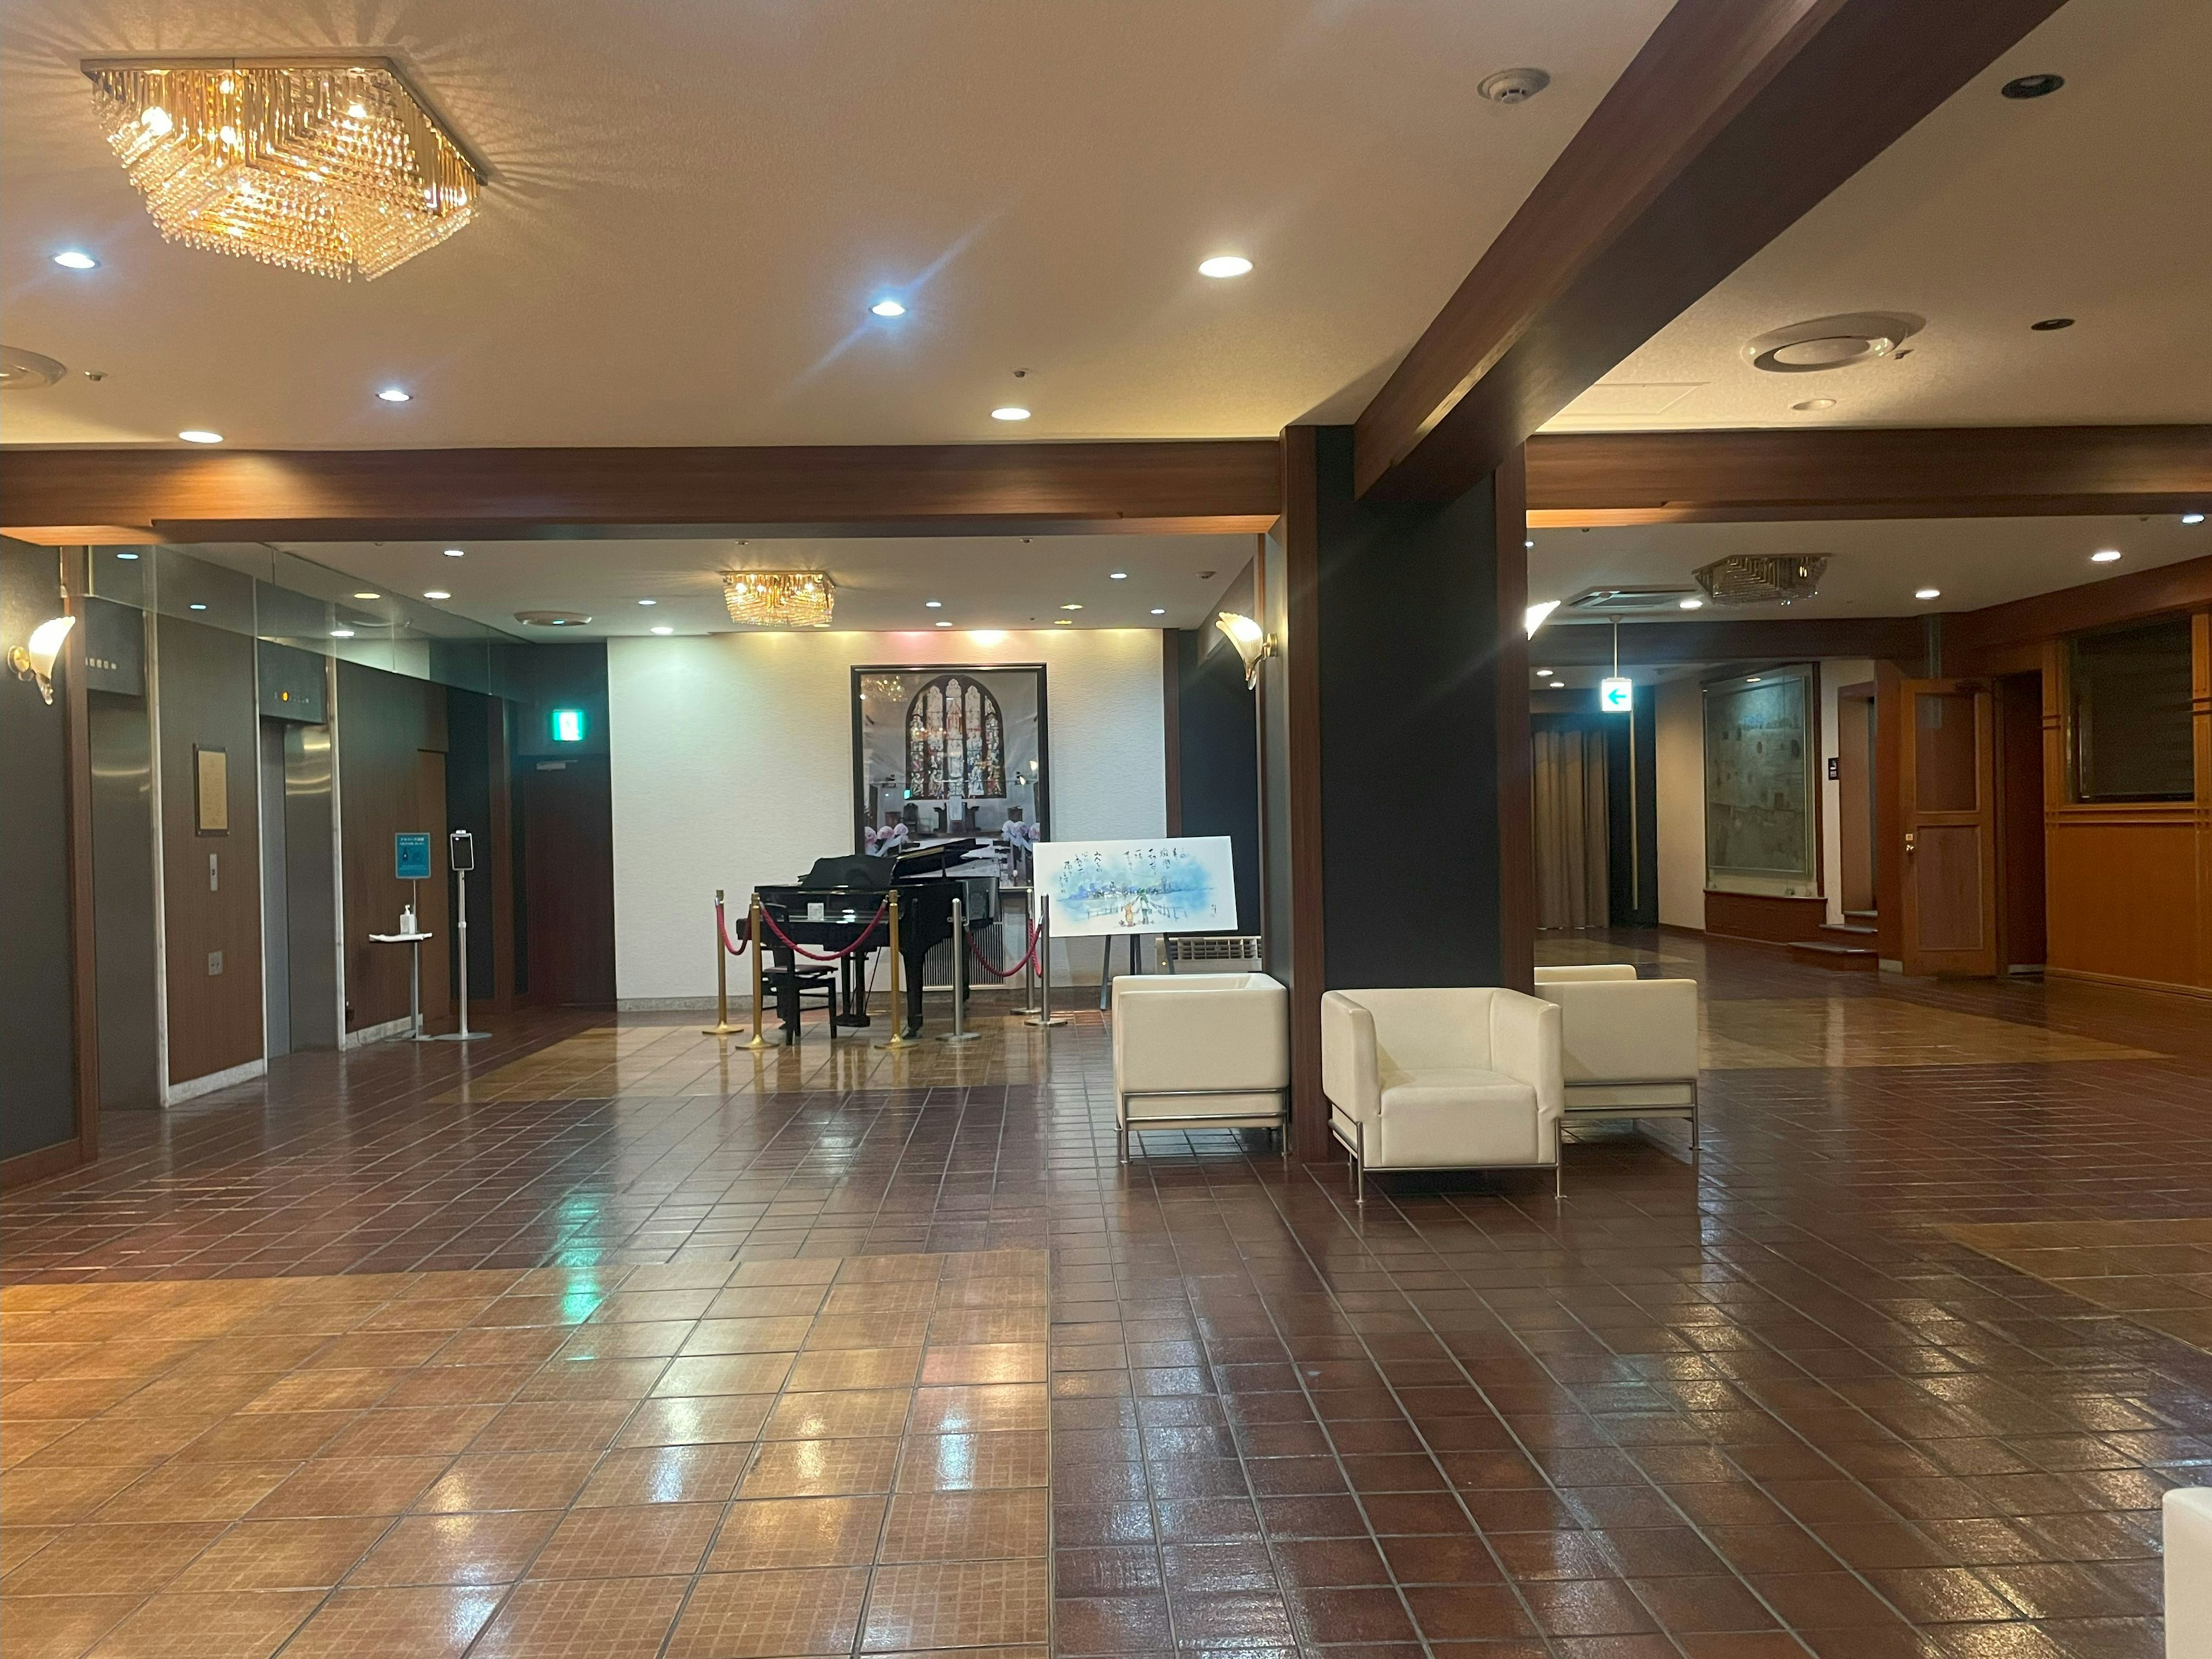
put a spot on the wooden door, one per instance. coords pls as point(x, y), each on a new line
point(1948, 793)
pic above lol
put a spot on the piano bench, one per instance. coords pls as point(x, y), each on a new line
point(800, 983)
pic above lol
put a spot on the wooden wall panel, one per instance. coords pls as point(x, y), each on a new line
point(2123, 896)
point(1767, 919)
point(567, 808)
point(206, 699)
point(386, 723)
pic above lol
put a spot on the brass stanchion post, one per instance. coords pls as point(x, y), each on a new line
point(721, 1027)
point(899, 1038)
point(759, 991)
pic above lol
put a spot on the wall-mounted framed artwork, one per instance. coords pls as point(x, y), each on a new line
point(211, 790)
point(1762, 813)
point(950, 749)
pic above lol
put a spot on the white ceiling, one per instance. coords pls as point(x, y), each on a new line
point(1991, 215)
point(1875, 564)
point(695, 201)
point(983, 582)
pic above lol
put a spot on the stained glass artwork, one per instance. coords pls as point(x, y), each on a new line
point(955, 743)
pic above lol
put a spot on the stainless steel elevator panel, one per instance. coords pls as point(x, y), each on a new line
point(275, 927)
point(122, 901)
point(310, 891)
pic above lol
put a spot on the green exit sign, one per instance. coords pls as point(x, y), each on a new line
point(568, 726)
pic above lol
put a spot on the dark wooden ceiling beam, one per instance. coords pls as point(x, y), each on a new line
point(1663, 644)
point(951, 489)
point(1735, 118)
point(1581, 479)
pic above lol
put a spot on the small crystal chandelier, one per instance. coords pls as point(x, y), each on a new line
point(334, 168)
point(779, 598)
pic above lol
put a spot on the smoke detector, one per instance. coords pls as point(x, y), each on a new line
point(1825, 343)
point(551, 618)
point(26, 371)
point(1761, 578)
point(1513, 86)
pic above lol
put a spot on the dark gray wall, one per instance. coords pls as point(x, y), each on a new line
point(1217, 743)
point(1406, 610)
point(122, 745)
point(37, 1041)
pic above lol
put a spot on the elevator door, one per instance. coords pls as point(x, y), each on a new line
point(276, 922)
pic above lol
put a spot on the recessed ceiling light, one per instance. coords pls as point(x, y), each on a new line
point(1009, 412)
point(368, 596)
point(888, 308)
point(2192, 518)
point(75, 258)
point(2051, 325)
point(945, 624)
point(933, 604)
point(1689, 604)
point(1070, 607)
point(1117, 576)
point(1225, 264)
point(126, 556)
point(1927, 592)
point(395, 394)
point(1159, 610)
point(194, 435)
point(1063, 621)
point(1812, 405)
point(437, 593)
point(664, 629)
point(1528, 543)
point(2104, 555)
point(341, 633)
point(1543, 673)
point(2032, 86)
point(197, 606)
point(456, 553)
point(648, 601)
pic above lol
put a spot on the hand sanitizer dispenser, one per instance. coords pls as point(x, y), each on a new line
point(406, 918)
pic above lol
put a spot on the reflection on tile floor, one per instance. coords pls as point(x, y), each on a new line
point(1769, 1403)
point(713, 1459)
point(2157, 1273)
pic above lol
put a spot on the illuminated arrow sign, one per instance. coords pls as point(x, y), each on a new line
point(1616, 695)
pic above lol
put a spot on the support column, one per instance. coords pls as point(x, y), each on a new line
point(1398, 824)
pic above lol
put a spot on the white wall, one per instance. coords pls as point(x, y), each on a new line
point(1679, 788)
point(732, 757)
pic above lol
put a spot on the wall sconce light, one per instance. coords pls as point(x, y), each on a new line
point(1538, 614)
point(35, 660)
point(1255, 645)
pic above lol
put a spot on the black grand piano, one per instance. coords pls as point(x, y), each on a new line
point(835, 903)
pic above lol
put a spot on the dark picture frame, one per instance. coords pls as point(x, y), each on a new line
point(927, 670)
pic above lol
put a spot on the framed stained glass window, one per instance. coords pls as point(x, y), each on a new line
point(1762, 832)
point(949, 749)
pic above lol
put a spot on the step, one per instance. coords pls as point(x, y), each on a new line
point(1867, 916)
point(1851, 929)
point(1848, 958)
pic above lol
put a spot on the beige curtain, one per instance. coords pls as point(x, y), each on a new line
point(1570, 829)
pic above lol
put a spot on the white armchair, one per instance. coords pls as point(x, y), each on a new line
point(1628, 1047)
point(2187, 1539)
point(1448, 1077)
point(1201, 1051)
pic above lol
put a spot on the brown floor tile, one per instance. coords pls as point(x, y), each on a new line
point(821, 1468)
point(798, 1532)
point(839, 1414)
point(640, 1540)
point(350, 1485)
point(949, 1462)
point(108, 1558)
point(666, 1475)
point(38, 1626)
point(480, 1481)
point(967, 1526)
point(754, 1615)
point(456, 1549)
point(208, 1625)
point(282, 1555)
point(584, 1619)
point(958, 1604)
point(428, 1622)
point(697, 1419)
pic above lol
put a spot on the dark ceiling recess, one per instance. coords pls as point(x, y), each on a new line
point(2032, 86)
point(2051, 325)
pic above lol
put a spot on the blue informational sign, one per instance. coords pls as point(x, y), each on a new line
point(410, 857)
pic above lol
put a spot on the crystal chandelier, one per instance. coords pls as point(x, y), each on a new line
point(329, 168)
point(779, 598)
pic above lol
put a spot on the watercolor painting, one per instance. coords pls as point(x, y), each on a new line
point(1185, 886)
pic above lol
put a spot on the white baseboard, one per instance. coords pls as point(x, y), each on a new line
point(368, 1034)
point(676, 1005)
point(175, 1094)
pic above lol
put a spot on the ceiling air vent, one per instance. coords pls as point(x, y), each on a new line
point(552, 618)
point(1625, 601)
point(1761, 578)
point(26, 371)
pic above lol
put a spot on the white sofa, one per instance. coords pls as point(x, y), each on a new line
point(1628, 1047)
point(2188, 1511)
point(1201, 1051)
point(1444, 1077)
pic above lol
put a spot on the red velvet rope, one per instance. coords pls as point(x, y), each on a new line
point(722, 932)
point(799, 949)
point(1028, 959)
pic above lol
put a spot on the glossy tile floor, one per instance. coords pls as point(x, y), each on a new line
point(421, 1348)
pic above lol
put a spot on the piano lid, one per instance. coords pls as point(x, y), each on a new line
point(933, 858)
point(852, 870)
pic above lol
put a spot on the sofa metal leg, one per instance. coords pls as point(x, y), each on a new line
point(1560, 1179)
point(1359, 1164)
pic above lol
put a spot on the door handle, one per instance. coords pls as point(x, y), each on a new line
point(1912, 844)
